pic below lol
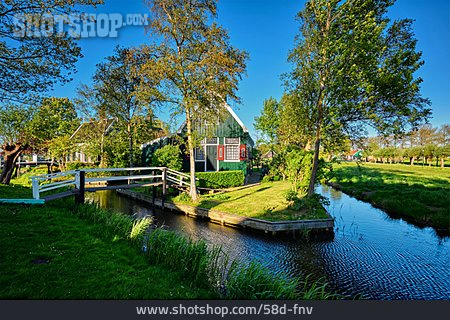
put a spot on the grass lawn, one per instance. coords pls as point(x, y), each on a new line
point(418, 194)
point(265, 201)
point(48, 252)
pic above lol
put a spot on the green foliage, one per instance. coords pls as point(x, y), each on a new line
point(268, 122)
point(311, 204)
point(77, 165)
point(295, 164)
point(290, 195)
point(221, 179)
point(55, 117)
point(31, 63)
point(14, 121)
point(351, 65)
point(168, 156)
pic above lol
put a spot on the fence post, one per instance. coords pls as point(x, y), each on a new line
point(79, 183)
point(164, 185)
point(153, 189)
point(35, 185)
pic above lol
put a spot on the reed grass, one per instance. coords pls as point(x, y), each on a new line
point(207, 267)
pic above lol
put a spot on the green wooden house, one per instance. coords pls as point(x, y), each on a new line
point(227, 145)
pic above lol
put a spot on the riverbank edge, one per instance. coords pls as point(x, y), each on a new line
point(445, 232)
point(236, 221)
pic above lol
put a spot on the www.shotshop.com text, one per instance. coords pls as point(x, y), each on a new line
point(262, 309)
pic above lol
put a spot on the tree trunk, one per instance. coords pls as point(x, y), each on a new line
point(442, 162)
point(315, 164)
point(130, 145)
point(12, 153)
point(193, 187)
point(102, 150)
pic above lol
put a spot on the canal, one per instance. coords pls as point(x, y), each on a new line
point(371, 255)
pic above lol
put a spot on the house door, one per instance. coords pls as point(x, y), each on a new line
point(211, 158)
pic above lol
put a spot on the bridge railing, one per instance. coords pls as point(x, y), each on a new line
point(41, 183)
point(77, 179)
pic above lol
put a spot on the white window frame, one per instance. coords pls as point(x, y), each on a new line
point(231, 144)
point(203, 145)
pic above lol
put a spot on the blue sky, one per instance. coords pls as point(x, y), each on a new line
point(266, 30)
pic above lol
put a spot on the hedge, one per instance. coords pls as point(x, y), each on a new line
point(220, 179)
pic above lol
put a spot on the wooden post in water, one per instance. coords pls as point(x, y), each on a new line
point(164, 186)
point(79, 182)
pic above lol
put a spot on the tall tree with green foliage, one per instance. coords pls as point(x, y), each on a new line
point(14, 137)
point(116, 86)
point(54, 117)
point(30, 62)
point(269, 121)
point(35, 128)
point(190, 65)
point(93, 108)
point(352, 68)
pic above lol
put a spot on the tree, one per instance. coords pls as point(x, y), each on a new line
point(351, 67)
point(190, 66)
point(14, 137)
point(94, 109)
point(30, 62)
point(268, 122)
point(116, 85)
point(168, 156)
point(54, 117)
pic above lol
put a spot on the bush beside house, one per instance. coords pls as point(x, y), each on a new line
point(220, 179)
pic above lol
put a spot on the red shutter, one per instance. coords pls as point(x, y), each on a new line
point(220, 152)
point(242, 152)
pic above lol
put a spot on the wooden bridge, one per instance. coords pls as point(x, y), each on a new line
point(77, 182)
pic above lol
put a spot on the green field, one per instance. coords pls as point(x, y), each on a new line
point(265, 201)
point(415, 193)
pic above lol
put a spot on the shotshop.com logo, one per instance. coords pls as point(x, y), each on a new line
point(80, 25)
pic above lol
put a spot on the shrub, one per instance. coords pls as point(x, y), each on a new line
point(290, 195)
point(168, 156)
point(220, 179)
point(79, 165)
point(313, 203)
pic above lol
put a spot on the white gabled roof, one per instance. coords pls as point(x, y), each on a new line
point(233, 114)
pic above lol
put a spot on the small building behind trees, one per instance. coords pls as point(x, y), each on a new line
point(225, 144)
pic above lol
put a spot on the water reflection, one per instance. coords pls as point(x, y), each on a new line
point(371, 255)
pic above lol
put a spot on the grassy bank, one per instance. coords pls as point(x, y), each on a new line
point(417, 194)
point(59, 251)
point(265, 201)
point(48, 252)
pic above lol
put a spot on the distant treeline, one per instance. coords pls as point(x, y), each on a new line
point(427, 144)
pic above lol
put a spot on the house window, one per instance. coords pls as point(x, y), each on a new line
point(232, 149)
point(211, 140)
point(199, 154)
